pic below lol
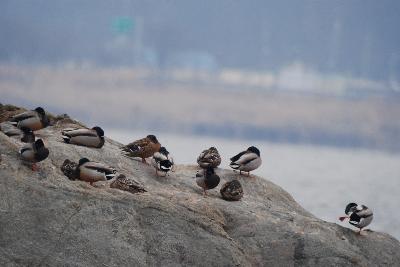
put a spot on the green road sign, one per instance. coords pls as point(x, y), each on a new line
point(122, 24)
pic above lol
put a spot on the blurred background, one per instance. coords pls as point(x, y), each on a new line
point(314, 84)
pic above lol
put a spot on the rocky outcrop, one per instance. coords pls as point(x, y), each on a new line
point(47, 219)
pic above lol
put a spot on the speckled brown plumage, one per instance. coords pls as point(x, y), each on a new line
point(127, 184)
point(69, 169)
point(232, 191)
point(142, 148)
point(209, 157)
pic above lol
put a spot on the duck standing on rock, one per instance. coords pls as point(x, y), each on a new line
point(209, 157)
point(34, 119)
point(162, 161)
point(142, 148)
point(90, 171)
point(84, 137)
point(246, 161)
point(34, 152)
point(359, 216)
point(210, 180)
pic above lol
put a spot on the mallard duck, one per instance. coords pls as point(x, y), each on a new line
point(162, 161)
point(142, 148)
point(84, 137)
point(232, 191)
point(209, 157)
point(90, 171)
point(25, 134)
point(210, 180)
point(246, 161)
point(34, 119)
point(359, 216)
point(34, 152)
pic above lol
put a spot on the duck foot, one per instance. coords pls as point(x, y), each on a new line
point(35, 167)
point(204, 193)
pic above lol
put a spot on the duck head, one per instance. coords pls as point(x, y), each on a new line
point(351, 207)
point(99, 131)
point(163, 151)
point(83, 161)
point(152, 138)
point(254, 150)
point(40, 111)
point(39, 144)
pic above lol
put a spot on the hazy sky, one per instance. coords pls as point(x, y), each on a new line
point(357, 37)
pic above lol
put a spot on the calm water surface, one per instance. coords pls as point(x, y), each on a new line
point(322, 179)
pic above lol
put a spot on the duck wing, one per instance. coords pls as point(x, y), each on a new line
point(23, 116)
point(9, 129)
point(158, 157)
point(79, 132)
point(364, 213)
point(99, 167)
point(27, 152)
point(235, 158)
point(246, 158)
point(26, 147)
point(137, 145)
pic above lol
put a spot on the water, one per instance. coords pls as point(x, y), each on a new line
point(322, 179)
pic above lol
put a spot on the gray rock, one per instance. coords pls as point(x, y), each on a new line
point(49, 220)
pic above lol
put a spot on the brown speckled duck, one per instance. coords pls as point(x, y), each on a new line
point(34, 119)
point(209, 157)
point(84, 137)
point(232, 191)
point(127, 184)
point(142, 148)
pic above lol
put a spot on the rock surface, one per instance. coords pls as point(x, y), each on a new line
point(48, 220)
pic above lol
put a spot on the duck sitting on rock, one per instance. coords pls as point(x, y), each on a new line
point(209, 157)
point(247, 160)
point(34, 119)
point(209, 181)
point(232, 191)
point(91, 172)
point(25, 134)
point(127, 184)
point(84, 137)
point(142, 148)
point(34, 152)
point(162, 161)
point(359, 216)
